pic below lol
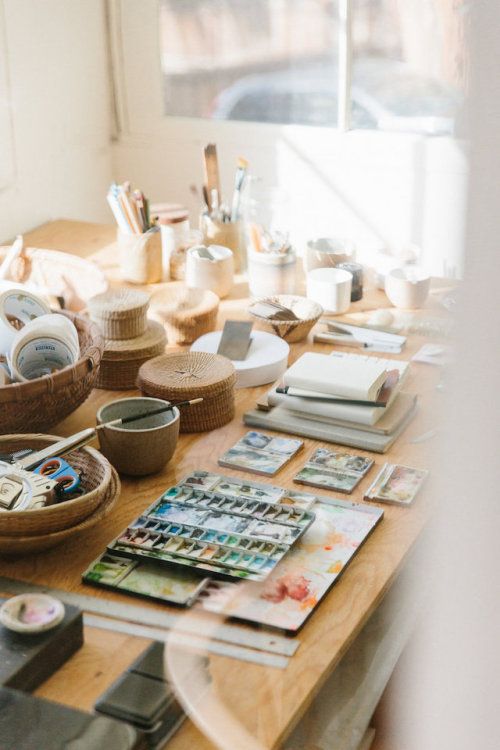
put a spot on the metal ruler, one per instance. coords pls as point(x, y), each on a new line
point(131, 613)
point(214, 647)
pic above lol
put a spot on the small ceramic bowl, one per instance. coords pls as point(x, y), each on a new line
point(407, 287)
point(141, 447)
point(307, 312)
point(31, 613)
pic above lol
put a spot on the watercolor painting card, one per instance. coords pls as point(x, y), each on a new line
point(396, 484)
point(339, 461)
point(260, 453)
point(334, 470)
point(316, 476)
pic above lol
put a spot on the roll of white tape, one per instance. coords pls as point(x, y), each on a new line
point(59, 326)
point(34, 355)
point(266, 361)
point(17, 308)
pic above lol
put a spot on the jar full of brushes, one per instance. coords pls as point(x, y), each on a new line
point(226, 234)
point(140, 256)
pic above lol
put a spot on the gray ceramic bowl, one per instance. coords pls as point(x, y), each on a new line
point(141, 447)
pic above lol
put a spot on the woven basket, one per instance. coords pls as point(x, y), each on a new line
point(120, 313)
point(186, 313)
point(307, 312)
point(39, 404)
point(96, 476)
point(23, 545)
point(122, 359)
point(178, 377)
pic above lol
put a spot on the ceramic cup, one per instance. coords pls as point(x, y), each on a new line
point(214, 273)
point(331, 288)
point(141, 447)
point(407, 287)
point(327, 252)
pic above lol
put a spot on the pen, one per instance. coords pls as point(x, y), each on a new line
point(329, 338)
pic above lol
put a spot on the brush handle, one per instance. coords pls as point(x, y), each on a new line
point(152, 413)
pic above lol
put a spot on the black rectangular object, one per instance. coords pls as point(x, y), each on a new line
point(27, 659)
point(142, 697)
point(29, 723)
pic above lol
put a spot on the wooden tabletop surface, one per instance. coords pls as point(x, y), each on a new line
point(268, 701)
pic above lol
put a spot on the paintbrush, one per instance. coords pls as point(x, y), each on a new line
point(79, 439)
point(239, 179)
point(212, 180)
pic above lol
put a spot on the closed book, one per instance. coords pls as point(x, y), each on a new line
point(389, 421)
point(282, 420)
point(338, 376)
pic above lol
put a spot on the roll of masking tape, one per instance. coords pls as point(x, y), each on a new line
point(59, 326)
point(17, 309)
point(34, 355)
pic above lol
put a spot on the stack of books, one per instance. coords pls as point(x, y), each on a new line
point(343, 398)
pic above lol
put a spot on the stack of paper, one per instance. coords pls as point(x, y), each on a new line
point(349, 399)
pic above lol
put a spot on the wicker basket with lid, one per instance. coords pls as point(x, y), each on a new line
point(120, 313)
point(122, 359)
point(186, 313)
point(180, 376)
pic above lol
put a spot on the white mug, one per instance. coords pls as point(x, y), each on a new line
point(331, 288)
point(214, 273)
point(407, 287)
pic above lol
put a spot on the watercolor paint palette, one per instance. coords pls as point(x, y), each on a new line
point(284, 600)
point(216, 533)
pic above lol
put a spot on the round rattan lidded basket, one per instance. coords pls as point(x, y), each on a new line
point(18, 546)
point(37, 405)
point(121, 360)
point(120, 313)
point(180, 376)
point(96, 473)
point(186, 313)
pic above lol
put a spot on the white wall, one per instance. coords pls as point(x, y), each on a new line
point(54, 113)
point(378, 188)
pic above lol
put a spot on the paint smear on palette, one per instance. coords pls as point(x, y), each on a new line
point(299, 582)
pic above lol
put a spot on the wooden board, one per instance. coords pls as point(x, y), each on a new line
point(267, 701)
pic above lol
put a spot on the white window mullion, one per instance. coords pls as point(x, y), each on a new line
point(344, 65)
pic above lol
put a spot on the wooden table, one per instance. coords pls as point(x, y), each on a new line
point(268, 701)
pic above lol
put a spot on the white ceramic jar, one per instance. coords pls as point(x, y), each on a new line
point(140, 257)
point(271, 273)
point(407, 287)
point(331, 288)
point(214, 273)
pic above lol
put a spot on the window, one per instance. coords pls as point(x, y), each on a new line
point(398, 64)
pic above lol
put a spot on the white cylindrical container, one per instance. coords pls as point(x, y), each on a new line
point(140, 257)
point(271, 273)
point(408, 287)
point(331, 288)
point(174, 227)
point(215, 273)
